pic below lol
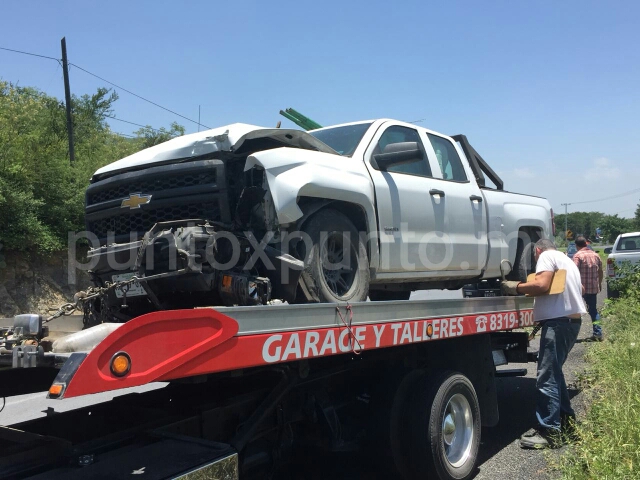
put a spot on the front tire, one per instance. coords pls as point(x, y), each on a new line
point(336, 263)
point(440, 429)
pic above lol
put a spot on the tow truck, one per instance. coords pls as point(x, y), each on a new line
point(249, 388)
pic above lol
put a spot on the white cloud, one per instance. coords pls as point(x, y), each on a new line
point(603, 169)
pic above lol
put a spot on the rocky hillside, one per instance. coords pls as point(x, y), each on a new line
point(34, 284)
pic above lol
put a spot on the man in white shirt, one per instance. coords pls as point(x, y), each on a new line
point(560, 317)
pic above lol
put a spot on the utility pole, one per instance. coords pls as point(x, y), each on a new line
point(565, 219)
point(67, 98)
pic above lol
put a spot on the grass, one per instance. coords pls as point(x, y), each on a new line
point(609, 446)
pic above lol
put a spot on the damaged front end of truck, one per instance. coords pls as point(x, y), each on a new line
point(195, 223)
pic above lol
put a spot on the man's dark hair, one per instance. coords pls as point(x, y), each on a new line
point(581, 242)
point(545, 244)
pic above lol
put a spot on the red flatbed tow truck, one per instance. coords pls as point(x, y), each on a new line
point(250, 388)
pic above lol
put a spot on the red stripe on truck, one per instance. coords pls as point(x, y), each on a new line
point(175, 344)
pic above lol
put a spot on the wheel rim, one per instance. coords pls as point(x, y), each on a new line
point(457, 430)
point(339, 272)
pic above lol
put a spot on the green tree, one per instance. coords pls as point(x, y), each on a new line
point(151, 136)
point(636, 219)
point(41, 193)
point(612, 226)
point(584, 223)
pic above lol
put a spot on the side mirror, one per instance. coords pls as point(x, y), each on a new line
point(395, 154)
point(608, 250)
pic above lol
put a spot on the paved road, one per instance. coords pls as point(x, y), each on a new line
point(500, 455)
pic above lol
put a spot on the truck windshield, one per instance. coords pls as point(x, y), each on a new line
point(343, 140)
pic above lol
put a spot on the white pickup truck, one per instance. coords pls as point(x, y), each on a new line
point(625, 249)
point(376, 208)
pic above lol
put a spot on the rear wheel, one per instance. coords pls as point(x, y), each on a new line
point(525, 262)
point(437, 432)
point(335, 257)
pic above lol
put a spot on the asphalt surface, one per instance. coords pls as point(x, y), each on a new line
point(500, 455)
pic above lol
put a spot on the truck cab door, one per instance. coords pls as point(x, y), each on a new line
point(409, 216)
point(464, 206)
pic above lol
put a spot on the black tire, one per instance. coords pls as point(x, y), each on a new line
point(437, 433)
point(332, 236)
point(392, 390)
point(385, 295)
point(525, 262)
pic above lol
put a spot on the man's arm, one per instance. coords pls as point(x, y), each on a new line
point(600, 273)
point(540, 284)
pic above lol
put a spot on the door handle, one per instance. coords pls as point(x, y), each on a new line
point(434, 191)
point(475, 197)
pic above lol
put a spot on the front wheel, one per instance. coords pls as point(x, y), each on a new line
point(440, 433)
point(336, 266)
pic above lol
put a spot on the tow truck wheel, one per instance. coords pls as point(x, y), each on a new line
point(439, 432)
point(336, 264)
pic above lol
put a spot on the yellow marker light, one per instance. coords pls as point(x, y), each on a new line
point(429, 330)
point(120, 364)
point(55, 390)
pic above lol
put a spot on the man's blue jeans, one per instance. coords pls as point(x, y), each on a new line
point(590, 300)
point(557, 340)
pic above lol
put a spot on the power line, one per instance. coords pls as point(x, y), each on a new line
point(630, 192)
point(105, 80)
point(136, 95)
point(136, 124)
point(29, 53)
point(123, 134)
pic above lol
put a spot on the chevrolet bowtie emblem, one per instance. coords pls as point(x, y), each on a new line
point(135, 200)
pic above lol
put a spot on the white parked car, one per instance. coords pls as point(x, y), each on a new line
point(625, 249)
point(376, 208)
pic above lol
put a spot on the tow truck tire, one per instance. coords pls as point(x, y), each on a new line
point(387, 398)
point(611, 292)
point(334, 239)
point(438, 432)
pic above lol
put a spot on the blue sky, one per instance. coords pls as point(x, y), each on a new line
point(547, 92)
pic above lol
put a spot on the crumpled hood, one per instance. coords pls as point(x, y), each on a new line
point(238, 138)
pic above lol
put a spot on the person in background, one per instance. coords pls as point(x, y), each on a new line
point(560, 316)
point(591, 273)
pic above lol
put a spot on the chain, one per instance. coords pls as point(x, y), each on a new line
point(83, 297)
point(352, 336)
point(66, 309)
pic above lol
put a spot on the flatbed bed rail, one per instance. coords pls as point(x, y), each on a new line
point(173, 344)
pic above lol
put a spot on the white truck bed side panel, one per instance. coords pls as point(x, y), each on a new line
point(508, 212)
